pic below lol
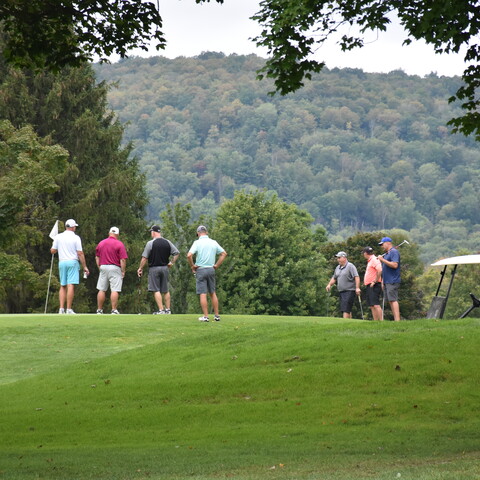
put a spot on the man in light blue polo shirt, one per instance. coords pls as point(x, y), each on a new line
point(205, 250)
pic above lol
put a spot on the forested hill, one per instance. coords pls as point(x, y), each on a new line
point(359, 151)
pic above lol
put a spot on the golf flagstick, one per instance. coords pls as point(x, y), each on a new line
point(53, 233)
point(49, 279)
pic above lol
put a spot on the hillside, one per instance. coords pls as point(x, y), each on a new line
point(359, 151)
point(137, 397)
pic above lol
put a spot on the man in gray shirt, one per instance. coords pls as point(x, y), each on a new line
point(348, 283)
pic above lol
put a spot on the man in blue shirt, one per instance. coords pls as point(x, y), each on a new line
point(391, 275)
point(205, 250)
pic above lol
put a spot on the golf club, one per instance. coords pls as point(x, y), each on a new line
point(383, 305)
point(361, 308)
point(139, 294)
point(396, 246)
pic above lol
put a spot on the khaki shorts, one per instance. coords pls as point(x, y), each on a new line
point(110, 276)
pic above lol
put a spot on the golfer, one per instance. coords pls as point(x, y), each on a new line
point(205, 250)
point(373, 282)
point(70, 256)
point(348, 283)
point(391, 275)
point(111, 258)
point(157, 253)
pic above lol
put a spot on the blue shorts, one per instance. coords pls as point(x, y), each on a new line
point(69, 272)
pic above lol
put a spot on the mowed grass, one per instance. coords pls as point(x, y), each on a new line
point(168, 397)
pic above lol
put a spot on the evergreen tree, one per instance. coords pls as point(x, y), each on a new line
point(30, 173)
point(102, 185)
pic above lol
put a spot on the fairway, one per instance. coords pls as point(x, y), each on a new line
point(167, 397)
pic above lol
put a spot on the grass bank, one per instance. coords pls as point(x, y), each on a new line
point(136, 397)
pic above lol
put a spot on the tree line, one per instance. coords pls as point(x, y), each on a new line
point(62, 155)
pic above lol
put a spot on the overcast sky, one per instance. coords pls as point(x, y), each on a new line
point(191, 29)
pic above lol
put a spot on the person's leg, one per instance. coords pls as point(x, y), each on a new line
point(214, 298)
point(166, 297)
point(158, 298)
point(114, 299)
point(62, 296)
point(70, 295)
point(100, 299)
point(204, 304)
point(377, 312)
point(395, 310)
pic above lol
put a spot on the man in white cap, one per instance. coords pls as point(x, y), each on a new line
point(348, 283)
point(70, 256)
point(205, 250)
point(111, 258)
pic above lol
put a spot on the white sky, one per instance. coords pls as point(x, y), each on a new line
point(191, 29)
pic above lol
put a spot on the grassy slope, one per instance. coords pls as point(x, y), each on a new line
point(251, 397)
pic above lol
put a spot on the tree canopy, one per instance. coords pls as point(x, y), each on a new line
point(54, 34)
point(292, 31)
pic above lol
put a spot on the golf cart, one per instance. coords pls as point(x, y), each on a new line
point(439, 303)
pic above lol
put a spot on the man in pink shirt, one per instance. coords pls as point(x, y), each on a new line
point(373, 282)
point(111, 257)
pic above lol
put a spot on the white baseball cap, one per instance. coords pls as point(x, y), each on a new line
point(71, 223)
point(114, 230)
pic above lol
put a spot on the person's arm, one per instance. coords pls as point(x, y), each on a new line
point(97, 261)
point(143, 261)
point(190, 262)
point(123, 266)
point(220, 259)
point(81, 257)
point(357, 285)
point(390, 264)
point(330, 284)
point(379, 273)
point(53, 251)
point(173, 260)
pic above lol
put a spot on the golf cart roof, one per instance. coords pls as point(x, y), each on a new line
point(461, 260)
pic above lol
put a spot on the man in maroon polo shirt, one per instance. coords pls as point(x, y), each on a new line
point(111, 257)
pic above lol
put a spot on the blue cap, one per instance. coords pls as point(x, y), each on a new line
point(385, 239)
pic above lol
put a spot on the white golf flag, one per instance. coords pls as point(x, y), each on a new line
point(54, 231)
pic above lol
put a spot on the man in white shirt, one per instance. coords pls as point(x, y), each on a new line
point(70, 255)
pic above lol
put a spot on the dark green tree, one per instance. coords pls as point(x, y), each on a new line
point(102, 185)
point(273, 266)
point(30, 173)
point(53, 34)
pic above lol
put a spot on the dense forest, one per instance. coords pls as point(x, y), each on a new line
point(358, 151)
